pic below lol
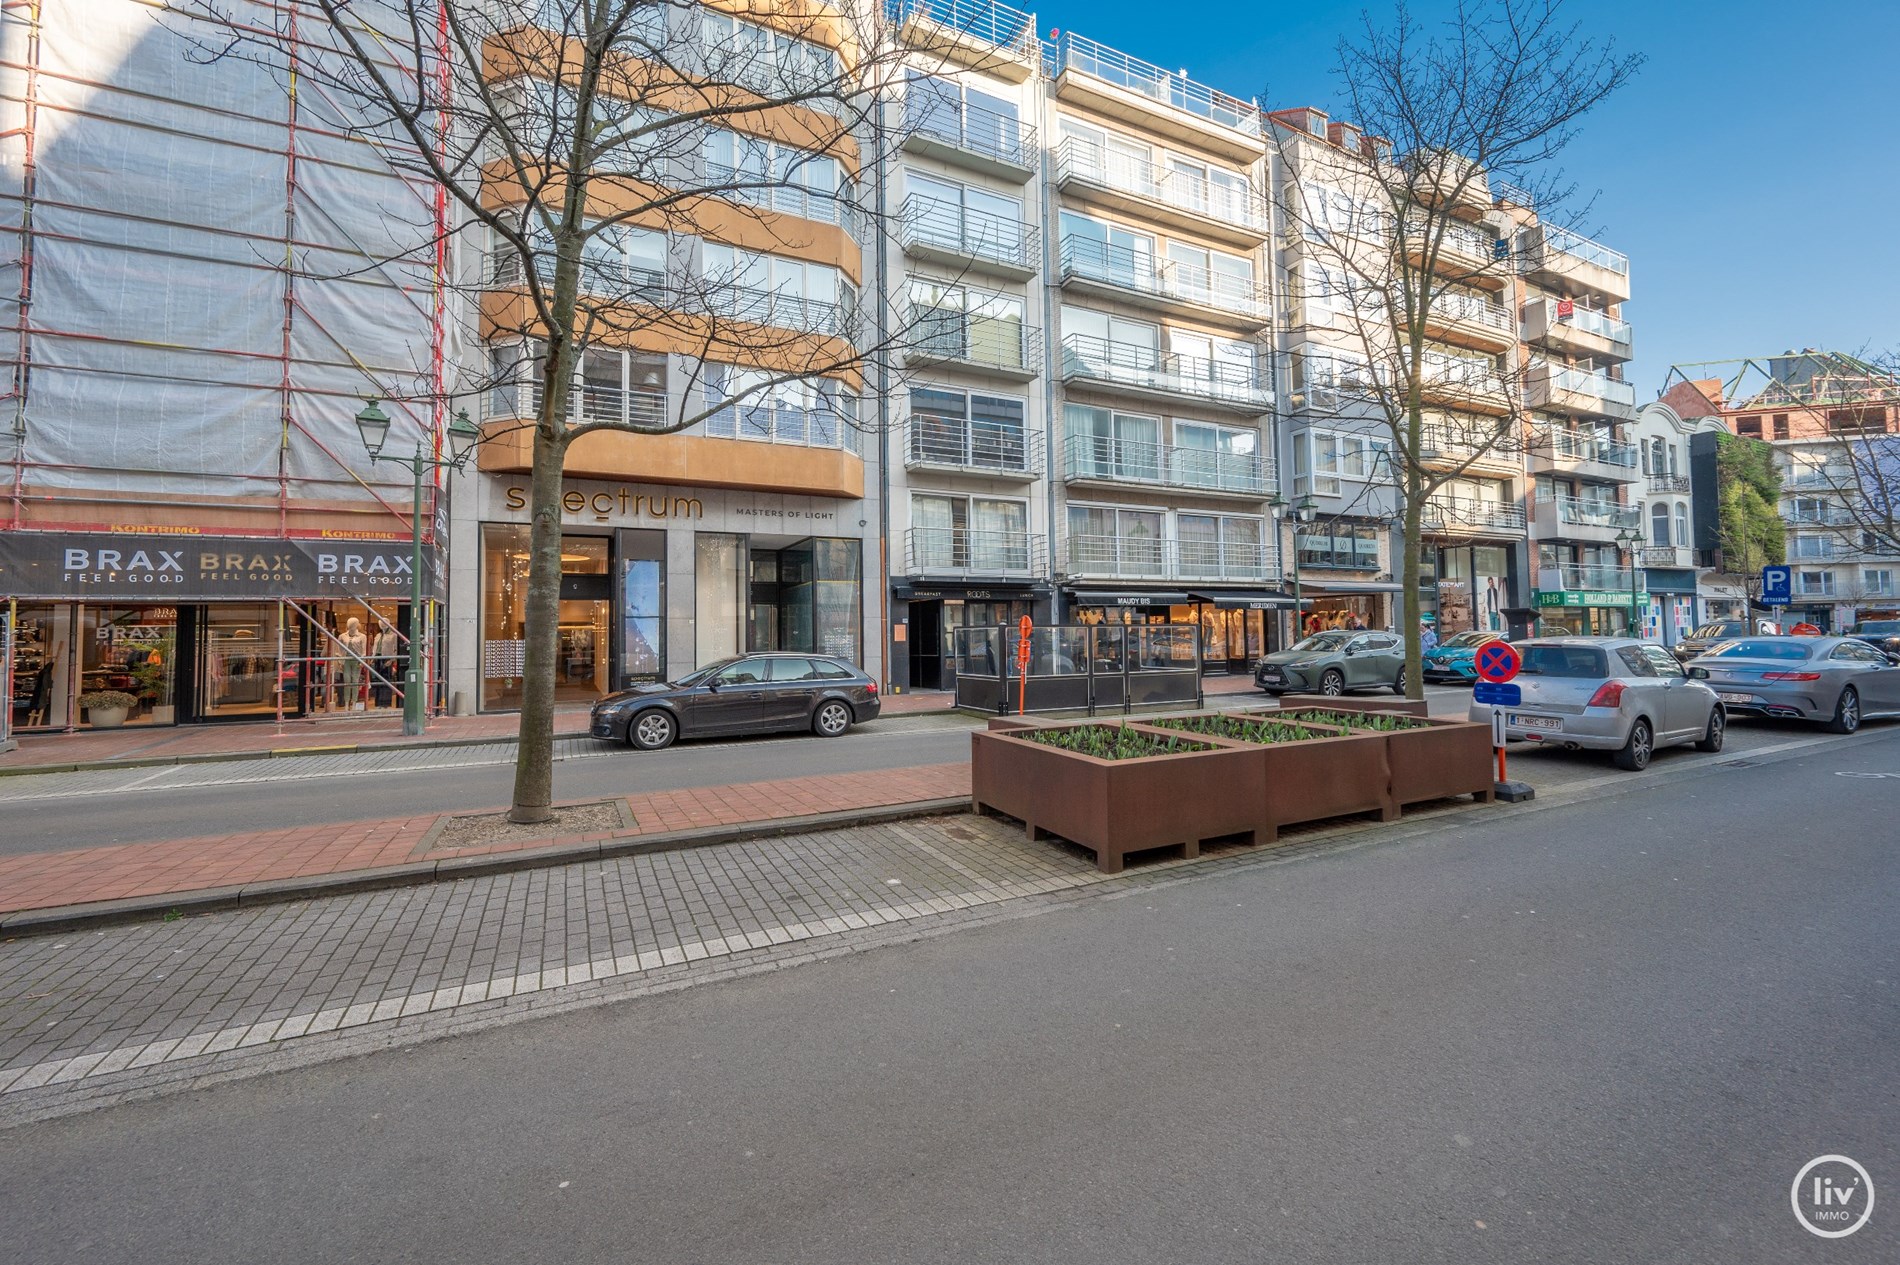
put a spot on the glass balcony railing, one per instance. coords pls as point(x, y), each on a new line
point(974, 129)
point(1577, 511)
point(956, 443)
point(1141, 272)
point(1574, 576)
point(1596, 386)
point(969, 233)
point(1598, 323)
point(1564, 445)
point(1196, 194)
point(1582, 249)
point(1164, 87)
point(997, 25)
point(1109, 459)
point(1150, 558)
point(1131, 364)
point(961, 551)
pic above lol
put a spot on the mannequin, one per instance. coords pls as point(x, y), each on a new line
point(381, 687)
point(355, 646)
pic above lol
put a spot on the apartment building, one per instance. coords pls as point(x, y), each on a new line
point(1679, 510)
point(1832, 420)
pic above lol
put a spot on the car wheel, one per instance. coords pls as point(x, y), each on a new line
point(653, 730)
point(1398, 685)
point(1332, 682)
point(1636, 752)
point(1846, 713)
point(1718, 726)
point(831, 719)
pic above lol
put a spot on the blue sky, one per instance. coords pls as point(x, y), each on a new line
point(1749, 172)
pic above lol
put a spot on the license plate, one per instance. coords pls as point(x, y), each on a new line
point(1535, 722)
point(1271, 674)
point(1736, 698)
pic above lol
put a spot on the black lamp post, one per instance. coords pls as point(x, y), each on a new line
point(1303, 513)
point(1629, 538)
point(373, 424)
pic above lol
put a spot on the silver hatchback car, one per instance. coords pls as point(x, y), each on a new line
point(1839, 681)
point(1612, 694)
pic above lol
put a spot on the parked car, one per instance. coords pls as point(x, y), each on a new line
point(1838, 680)
point(1335, 662)
point(754, 694)
point(1456, 657)
point(1700, 640)
point(1612, 694)
point(1882, 634)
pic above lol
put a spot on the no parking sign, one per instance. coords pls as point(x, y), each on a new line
point(1498, 661)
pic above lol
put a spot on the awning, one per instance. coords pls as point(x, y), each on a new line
point(1128, 597)
point(1325, 587)
point(1245, 599)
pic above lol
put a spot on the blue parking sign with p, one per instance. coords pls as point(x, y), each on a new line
point(1777, 586)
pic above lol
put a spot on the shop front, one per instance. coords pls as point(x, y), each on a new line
point(1669, 614)
point(1238, 626)
point(1331, 603)
point(160, 630)
point(1585, 612)
point(925, 618)
point(1473, 588)
point(656, 581)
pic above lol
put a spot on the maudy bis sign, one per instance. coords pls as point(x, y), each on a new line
point(199, 568)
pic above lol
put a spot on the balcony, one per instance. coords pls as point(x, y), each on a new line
point(1581, 332)
point(1560, 260)
point(1463, 383)
point(1812, 478)
point(1444, 447)
point(993, 38)
point(1134, 558)
point(1205, 471)
point(1831, 516)
point(616, 281)
point(1164, 376)
point(1170, 285)
point(1589, 585)
point(778, 193)
point(1181, 200)
point(951, 336)
point(1819, 549)
point(1579, 518)
point(1668, 557)
point(1467, 321)
point(1469, 516)
point(952, 445)
point(945, 552)
point(969, 136)
point(780, 310)
point(1152, 99)
point(943, 232)
point(1556, 449)
point(1469, 254)
point(1439, 178)
point(1668, 484)
point(1578, 392)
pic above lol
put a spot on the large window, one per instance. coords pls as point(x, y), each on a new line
point(1339, 546)
point(776, 290)
point(618, 262)
point(1106, 539)
point(966, 117)
point(966, 219)
point(957, 323)
point(1210, 456)
point(968, 428)
point(1106, 444)
point(610, 385)
point(1220, 546)
point(963, 533)
point(769, 62)
point(1107, 252)
point(1324, 460)
point(820, 412)
point(776, 176)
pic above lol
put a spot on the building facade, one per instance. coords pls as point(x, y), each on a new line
point(1677, 495)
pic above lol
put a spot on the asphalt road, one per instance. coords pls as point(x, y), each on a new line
point(1606, 1032)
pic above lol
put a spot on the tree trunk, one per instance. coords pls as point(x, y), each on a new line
point(534, 749)
point(1408, 576)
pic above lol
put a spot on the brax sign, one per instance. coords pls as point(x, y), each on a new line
point(196, 568)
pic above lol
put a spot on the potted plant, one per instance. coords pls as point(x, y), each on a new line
point(1429, 757)
point(1403, 706)
point(152, 680)
point(107, 709)
point(1308, 771)
point(1116, 788)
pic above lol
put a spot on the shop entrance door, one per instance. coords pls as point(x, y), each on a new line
point(239, 670)
point(927, 633)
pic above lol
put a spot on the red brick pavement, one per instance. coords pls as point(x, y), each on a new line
point(171, 867)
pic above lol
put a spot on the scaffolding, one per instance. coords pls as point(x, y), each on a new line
point(204, 269)
point(1807, 379)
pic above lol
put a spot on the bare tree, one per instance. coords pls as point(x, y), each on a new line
point(1400, 232)
point(1857, 404)
point(649, 177)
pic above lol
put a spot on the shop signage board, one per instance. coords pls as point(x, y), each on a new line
point(1585, 597)
point(78, 566)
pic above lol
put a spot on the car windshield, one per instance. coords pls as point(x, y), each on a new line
point(698, 676)
point(1573, 661)
point(1466, 640)
point(1728, 628)
point(1878, 626)
point(1762, 648)
point(1324, 641)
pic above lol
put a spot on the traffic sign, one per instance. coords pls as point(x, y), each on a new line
point(1497, 693)
point(1498, 661)
point(1777, 586)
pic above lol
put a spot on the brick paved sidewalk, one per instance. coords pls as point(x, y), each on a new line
point(226, 865)
point(382, 729)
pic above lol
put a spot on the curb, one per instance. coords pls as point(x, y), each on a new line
point(65, 918)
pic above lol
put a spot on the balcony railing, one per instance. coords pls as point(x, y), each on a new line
point(970, 234)
point(1457, 375)
point(940, 335)
point(1131, 364)
point(1141, 272)
point(599, 278)
point(960, 551)
point(1832, 516)
point(1670, 556)
point(1659, 483)
point(1459, 242)
point(1577, 247)
point(973, 444)
point(1576, 511)
point(1569, 445)
point(785, 311)
point(589, 402)
point(1092, 163)
point(1582, 382)
point(1137, 558)
point(974, 129)
point(997, 25)
point(1574, 576)
point(777, 193)
point(1165, 87)
point(1451, 513)
point(1820, 549)
point(1598, 323)
point(1440, 443)
point(1105, 459)
point(1825, 477)
point(1463, 309)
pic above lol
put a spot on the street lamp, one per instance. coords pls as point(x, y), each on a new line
point(1303, 513)
point(373, 424)
point(1629, 538)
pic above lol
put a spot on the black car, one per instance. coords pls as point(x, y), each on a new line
point(1882, 634)
point(754, 694)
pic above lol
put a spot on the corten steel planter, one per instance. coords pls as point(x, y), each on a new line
point(1339, 775)
point(1116, 807)
point(1403, 706)
point(1443, 757)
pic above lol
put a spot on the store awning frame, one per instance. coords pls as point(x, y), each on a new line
point(1128, 597)
point(1244, 599)
point(1325, 588)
